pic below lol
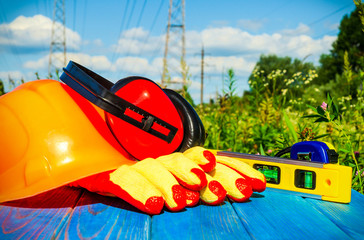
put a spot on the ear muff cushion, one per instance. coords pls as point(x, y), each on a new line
point(194, 131)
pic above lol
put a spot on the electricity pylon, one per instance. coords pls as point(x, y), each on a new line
point(174, 65)
point(57, 54)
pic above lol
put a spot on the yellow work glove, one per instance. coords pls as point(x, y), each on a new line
point(175, 181)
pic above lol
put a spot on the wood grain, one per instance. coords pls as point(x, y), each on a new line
point(273, 215)
point(99, 217)
point(38, 217)
point(70, 213)
point(348, 217)
point(200, 222)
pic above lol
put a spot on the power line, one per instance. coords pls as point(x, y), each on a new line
point(44, 44)
point(317, 21)
point(329, 15)
point(130, 15)
point(156, 50)
point(137, 25)
point(278, 7)
point(74, 20)
point(327, 33)
point(151, 29)
point(127, 26)
point(84, 21)
point(120, 31)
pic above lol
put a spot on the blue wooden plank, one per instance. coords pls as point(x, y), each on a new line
point(348, 217)
point(100, 217)
point(269, 215)
point(273, 215)
point(38, 217)
point(200, 222)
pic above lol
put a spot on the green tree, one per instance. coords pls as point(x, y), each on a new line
point(270, 63)
point(275, 77)
point(350, 40)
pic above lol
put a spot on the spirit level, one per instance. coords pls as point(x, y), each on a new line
point(307, 178)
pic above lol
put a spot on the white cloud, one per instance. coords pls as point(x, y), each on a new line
point(219, 23)
point(139, 53)
point(98, 43)
point(139, 66)
point(41, 63)
point(227, 46)
point(137, 33)
point(137, 41)
point(96, 63)
point(216, 65)
point(301, 29)
point(251, 25)
point(4, 76)
point(33, 34)
point(230, 41)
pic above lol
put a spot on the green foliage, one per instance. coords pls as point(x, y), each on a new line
point(292, 132)
point(360, 8)
point(2, 89)
point(185, 93)
point(230, 84)
point(350, 42)
point(327, 112)
point(279, 76)
point(12, 83)
point(348, 141)
point(265, 122)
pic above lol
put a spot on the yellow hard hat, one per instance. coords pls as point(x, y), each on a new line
point(51, 136)
point(52, 133)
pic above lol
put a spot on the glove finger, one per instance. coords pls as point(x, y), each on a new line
point(257, 178)
point(94, 183)
point(192, 197)
point(128, 185)
point(173, 193)
point(187, 172)
point(204, 158)
point(214, 193)
point(236, 186)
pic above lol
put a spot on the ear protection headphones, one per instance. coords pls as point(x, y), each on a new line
point(146, 120)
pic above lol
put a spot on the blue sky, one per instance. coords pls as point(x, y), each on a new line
point(119, 38)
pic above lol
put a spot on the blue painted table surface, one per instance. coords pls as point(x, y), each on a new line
point(71, 213)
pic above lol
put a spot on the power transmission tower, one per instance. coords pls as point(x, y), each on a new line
point(57, 54)
point(174, 65)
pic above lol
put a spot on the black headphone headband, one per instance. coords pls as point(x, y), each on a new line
point(95, 88)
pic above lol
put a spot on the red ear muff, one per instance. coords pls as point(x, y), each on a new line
point(146, 123)
point(149, 96)
point(194, 131)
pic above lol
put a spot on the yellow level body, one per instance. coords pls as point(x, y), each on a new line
point(329, 182)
